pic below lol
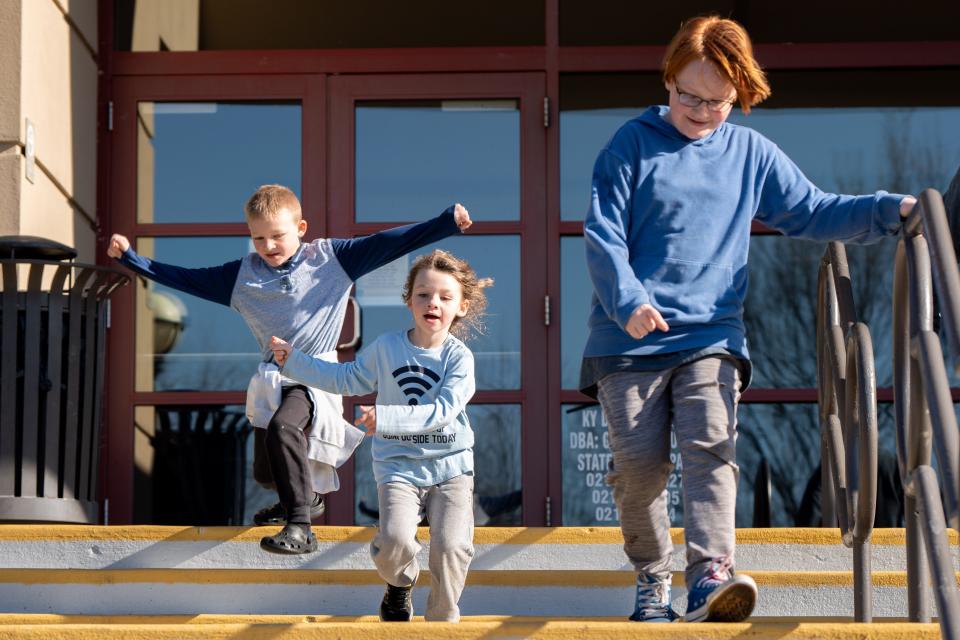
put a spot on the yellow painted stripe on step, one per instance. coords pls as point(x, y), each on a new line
point(473, 630)
point(362, 535)
point(218, 618)
point(495, 578)
point(277, 619)
point(155, 533)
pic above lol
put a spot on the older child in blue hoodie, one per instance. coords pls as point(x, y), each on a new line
point(423, 445)
point(674, 194)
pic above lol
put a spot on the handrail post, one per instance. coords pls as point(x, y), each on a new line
point(847, 395)
point(924, 408)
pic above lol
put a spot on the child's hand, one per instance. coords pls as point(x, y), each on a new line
point(118, 244)
point(281, 349)
point(367, 419)
point(644, 320)
point(462, 217)
point(906, 206)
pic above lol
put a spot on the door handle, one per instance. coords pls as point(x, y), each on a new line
point(355, 340)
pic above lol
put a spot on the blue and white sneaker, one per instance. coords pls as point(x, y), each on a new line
point(720, 595)
point(653, 600)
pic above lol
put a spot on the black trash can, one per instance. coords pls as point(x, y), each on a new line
point(200, 465)
point(53, 315)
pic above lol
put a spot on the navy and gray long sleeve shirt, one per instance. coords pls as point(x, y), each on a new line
point(304, 300)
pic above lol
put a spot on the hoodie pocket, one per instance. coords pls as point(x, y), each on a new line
point(692, 292)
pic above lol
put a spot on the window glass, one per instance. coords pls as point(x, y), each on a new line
point(194, 466)
point(586, 459)
point(185, 343)
point(576, 291)
point(787, 437)
point(200, 161)
point(415, 159)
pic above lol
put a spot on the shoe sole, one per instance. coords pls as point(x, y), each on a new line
point(734, 603)
point(275, 548)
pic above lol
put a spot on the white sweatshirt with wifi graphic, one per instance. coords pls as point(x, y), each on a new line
point(423, 434)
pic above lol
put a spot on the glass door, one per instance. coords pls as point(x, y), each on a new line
point(186, 154)
point(402, 148)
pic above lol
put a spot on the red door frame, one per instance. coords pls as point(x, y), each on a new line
point(528, 88)
point(122, 397)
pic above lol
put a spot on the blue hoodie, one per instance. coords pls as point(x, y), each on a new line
point(669, 225)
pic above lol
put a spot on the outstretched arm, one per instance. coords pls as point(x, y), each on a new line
point(210, 283)
point(790, 203)
point(355, 378)
point(360, 256)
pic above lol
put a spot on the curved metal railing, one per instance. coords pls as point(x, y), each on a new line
point(847, 396)
point(924, 408)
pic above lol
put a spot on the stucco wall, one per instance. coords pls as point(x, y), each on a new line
point(58, 94)
point(10, 170)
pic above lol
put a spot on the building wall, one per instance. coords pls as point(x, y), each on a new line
point(10, 148)
point(51, 65)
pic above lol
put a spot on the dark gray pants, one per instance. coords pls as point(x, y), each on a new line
point(700, 400)
point(280, 454)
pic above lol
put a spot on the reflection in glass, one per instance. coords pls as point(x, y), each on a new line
point(861, 150)
point(496, 452)
point(200, 161)
point(194, 466)
point(185, 343)
point(415, 159)
point(585, 460)
point(787, 436)
point(575, 293)
point(780, 310)
point(497, 352)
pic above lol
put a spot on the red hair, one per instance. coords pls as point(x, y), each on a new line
point(726, 45)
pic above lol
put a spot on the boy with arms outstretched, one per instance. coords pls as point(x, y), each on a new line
point(298, 291)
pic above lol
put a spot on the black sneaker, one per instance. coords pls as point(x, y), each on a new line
point(397, 605)
point(275, 514)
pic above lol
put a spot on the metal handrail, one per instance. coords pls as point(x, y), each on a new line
point(924, 408)
point(847, 397)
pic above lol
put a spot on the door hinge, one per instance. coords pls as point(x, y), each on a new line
point(110, 115)
point(546, 112)
point(546, 311)
point(548, 512)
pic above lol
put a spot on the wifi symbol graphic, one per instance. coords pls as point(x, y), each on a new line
point(415, 381)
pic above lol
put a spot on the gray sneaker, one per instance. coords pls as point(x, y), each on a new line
point(653, 600)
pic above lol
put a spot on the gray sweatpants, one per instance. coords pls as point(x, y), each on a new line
point(700, 400)
point(449, 508)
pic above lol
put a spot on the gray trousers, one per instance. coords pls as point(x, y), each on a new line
point(700, 400)
point(449, 508)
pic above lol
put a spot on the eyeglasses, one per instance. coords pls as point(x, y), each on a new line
point(693, 101)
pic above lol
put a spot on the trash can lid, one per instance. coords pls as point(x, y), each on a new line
point(34, 248)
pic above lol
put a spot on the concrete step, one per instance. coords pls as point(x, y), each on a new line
point(478, 628)
point(550, 572)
